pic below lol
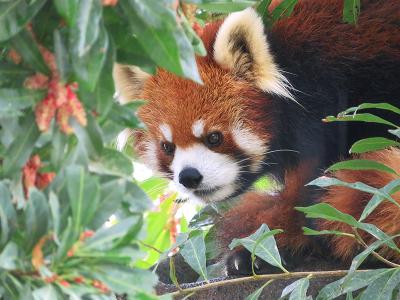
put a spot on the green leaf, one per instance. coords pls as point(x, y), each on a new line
point(90, 137)
point(26, 46)
point(383, 106)
point(12, 75)
point(283, 10)
point(125, 115)
point(61, 53)
point(351, 282)
point(112, 162)
point(255, 295)
point(372, 144)
point(9, 257)
point(58, 148)
point(388, 287)
point(327, 181)
point(67, 9)
point(105, 86)
point(86, 27)
point(263, 11)
point(83, 191)
point(88, 65)
point(137, 200)
point(196, 42)
point(12, 101)
point(297, 289)
point(166, 44)
point(309, 231)
point(103, 237)
point(326, 211)
point(37, 215)
point(395, 132)
point(47, 292)
point(68, 238)
point(361, 164)
point(122, 279)
point(360, 258)
point(8, 215)
point(365, 117)
point(223, 6)
point(55, 214)
point(21, 148)
point(15, 15)
point(194, 253)
point(351, 11)
point(111, 196)
point(262, 244)
point(375, 289)
point(377, 199)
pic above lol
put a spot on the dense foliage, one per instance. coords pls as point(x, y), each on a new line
point(73, 221)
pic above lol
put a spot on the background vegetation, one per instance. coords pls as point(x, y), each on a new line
point(74, 222)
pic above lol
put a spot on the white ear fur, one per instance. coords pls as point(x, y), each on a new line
point(129, 81)
point(241, 46)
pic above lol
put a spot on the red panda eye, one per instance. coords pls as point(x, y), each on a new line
point(168, 148)
point(214, 139)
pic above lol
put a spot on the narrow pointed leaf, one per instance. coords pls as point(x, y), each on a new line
point(262, 244)
point(194, 253)
point(361, 164)
point(372, 144)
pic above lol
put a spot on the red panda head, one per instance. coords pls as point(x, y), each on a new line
point(210, 138)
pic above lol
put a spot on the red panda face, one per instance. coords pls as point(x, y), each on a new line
point(204, 137)
point(211, 139)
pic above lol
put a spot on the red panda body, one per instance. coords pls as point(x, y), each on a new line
point(259, 112)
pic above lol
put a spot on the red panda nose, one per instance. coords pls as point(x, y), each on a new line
point(190, 178)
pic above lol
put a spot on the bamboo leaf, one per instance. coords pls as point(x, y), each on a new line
point(194, 253)
point(255, 295)
point(361, 164)
point(364, 117)
point(372, 144)
point(262, 244)
point(351, 11)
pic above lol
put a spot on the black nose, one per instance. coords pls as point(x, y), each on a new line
point(190, 178)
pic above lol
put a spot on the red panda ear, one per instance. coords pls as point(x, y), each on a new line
point(242, 47)
point(129, 81)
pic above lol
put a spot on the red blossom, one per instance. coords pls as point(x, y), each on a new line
point(79, 279)
point(65, 283)
point(110, 2)
point(45, 112)
point(31, 177)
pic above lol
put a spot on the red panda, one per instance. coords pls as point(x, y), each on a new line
point(259, 112)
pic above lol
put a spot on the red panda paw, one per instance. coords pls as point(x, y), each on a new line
point(239, 263)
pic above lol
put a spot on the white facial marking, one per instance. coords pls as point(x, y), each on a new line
point(166, 132)
point(251, 144)
point(219, 171)
point(198, 128)
point(149, 156)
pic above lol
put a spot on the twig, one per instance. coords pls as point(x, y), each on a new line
point(318, 274)
point(151, 247)
point(375, 254)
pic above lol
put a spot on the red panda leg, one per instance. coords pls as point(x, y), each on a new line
point(277, 211)
point(386, 216)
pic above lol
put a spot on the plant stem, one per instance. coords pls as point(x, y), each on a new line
point(317, 274)
point(375, 254)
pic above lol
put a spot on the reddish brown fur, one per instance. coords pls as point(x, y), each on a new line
point(375, 35)
point(277, 211)
point(386, 216)
point(274, 210)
